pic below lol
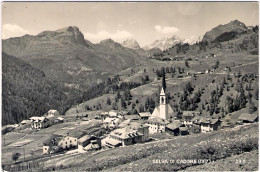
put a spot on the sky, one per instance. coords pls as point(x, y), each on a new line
point(142, 21)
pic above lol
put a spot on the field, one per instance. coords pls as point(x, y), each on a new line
point(33, 140)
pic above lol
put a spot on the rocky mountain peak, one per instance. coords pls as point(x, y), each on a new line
point(233, 26)
point(131, 43)
point(70, 34)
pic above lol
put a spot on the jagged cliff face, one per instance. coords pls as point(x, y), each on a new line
point(235, 26)
point(66, 56)
point(131, 43)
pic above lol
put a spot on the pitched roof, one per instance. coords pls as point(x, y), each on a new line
point(37, 118)
point(183, 128)
point(137, 125)
point(84, 138)
point(174, 125)
point(206, 120)
point(132, 117)
point(52, 111)
point(248, 117)
point(157, 120)
point(145, 114)
point(189, 113)
point(52, 140)
point(125, 133)
point(196, 119)
point(113, 142)
point(156, 112)
point(124, 123)
point(76, 134)
point(108, 120)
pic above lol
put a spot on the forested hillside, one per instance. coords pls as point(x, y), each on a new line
point(27, 92)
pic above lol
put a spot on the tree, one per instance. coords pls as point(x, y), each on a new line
point(256, 94)
point(187, 63)
point(134, 111)
point(141, 108)
point(252, 108)
point(15, 156)
point(163, 82)
point(108, 101)
point(216, 65)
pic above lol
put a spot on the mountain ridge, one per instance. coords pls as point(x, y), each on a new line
point(235, 26)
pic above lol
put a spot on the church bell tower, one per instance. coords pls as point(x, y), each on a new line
point(163, 105)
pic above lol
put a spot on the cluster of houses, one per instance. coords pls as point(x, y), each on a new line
point(73, 140)
point(45, 121)
point(122, 129)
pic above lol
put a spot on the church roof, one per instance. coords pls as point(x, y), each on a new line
point(156, 112)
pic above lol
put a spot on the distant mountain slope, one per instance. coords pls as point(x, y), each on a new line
point(233, 26)
point(27, 92)
point(131, 43)
point(164, 43)
point(65, 55)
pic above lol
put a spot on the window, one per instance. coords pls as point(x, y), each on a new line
point(66, 143)
point(75, 139)
point(162, 100)
point(70, 141)
point(45, 148)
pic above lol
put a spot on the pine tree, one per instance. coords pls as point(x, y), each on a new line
point(108, 101)
point(256, 93)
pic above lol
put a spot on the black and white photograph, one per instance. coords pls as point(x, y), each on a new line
point(130, 86)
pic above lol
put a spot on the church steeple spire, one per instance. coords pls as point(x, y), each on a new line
point(163, 82)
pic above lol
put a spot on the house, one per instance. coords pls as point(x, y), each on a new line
point(71, 140)
point(111, 122)
point(196, 120)
point(209, 124)
point(141, 128)
point(53, 112)
point(248, 118)
point(39, 122)
point(123, 137)
point(86, 140)
point(187, 116)
point(176, 128)
point(125, 123)
point(93, 145)
point(157, 125)
point(51, 144)
point(123, 112)
point(145, 115)
point(113, 113)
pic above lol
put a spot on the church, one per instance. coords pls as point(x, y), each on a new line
point(161, 115)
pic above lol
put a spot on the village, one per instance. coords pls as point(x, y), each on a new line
point(115, 128)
